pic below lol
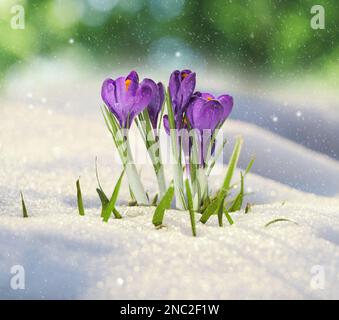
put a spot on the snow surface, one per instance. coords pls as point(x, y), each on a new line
point(46, 144)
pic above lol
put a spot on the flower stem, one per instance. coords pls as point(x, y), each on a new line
point(177, 169)
point(161, 180)
point(134, 178)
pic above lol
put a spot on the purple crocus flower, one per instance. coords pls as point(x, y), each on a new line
point(205, 113)
point(181, 88)
point(158, 97)
point(126, 98)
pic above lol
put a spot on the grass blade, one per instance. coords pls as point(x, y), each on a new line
point(111, 205)
point(215, 205)
point(209, 211)
point(215, 158)
point(248, 208)
point(164, 204)
point(279, 220)
point(232, 166)
point(117, 214)
point(249, 166)
point(228, 216)
point(102, 196)
point(79, 199)
point(155, 200)
point(237, 203)
point(103, 199)
point(24, 209)
point(190, 207)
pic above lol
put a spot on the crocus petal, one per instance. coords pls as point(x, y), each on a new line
point(166, 124)
point(186, 89)
point(212, 115)
point(184, 73)
point(156, 103)
point(204, 115)
point(194, 110)
point(132, 83)
point(108, 94)
point(207, 96)
point(141, 100)
point(227, 102)
point(159, 102)
point(121, 90)
point(174, 85)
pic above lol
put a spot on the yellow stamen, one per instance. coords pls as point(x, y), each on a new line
point(209, 98)
point(184, 75)
point(127, 83)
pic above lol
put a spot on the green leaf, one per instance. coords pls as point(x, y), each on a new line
point(103, 199)
point(205, 204)
point(164, 204)
point(96, 173)
point(279, 220)
point(117, 214)
point(215, 158)
point(237, 203)
point(231, 166)
point(248, 208)
point(209, 211)
point(216, 205)
point(177, 170)
point(229, 175)
point(79, 199)
point(111, 205)
point(102, 196)
point(161, 116)
point(120, 139)
point(155, 200)
point(24, 209)
point(190, 207)
point(220, 211)
point(249, 166)
point(229, 218)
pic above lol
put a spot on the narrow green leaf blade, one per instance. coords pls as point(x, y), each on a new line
point(110, 206)
point(216, 157)
point(237, 203)
point(117, 214)
point(228, 216)
point(155, 200)
point(220, 211)
point(249, 166)
point(164, 204)
point(209, 211)
point(190, 207)
point(24, 209)
point(232, 165)
point(79, 199)
point(280, 220)
point(103, 199)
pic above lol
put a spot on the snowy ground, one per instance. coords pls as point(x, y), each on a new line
point(47, 141)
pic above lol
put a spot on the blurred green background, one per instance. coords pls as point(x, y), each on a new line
point(258, 36)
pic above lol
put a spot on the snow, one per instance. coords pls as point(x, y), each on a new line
point(67, 256)
point(48, 139)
